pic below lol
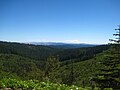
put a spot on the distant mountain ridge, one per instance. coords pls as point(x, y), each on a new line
point(47, 43)
point(63, 45)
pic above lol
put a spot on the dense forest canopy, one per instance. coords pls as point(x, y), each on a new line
point(25, 61)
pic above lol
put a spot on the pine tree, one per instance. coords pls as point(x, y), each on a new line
point(71, 75)
point(110, 73)
point(52, 68)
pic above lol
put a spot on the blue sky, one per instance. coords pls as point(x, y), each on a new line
point(77, 21)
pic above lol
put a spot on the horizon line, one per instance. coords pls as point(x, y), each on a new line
point(30, 42)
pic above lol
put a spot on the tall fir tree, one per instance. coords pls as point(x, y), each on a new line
point(110, 73)
point(52, 69)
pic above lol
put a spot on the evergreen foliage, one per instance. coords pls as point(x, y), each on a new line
point(52, 69)
point(25, 62)
point(110, 73)
point(17, 66)
point(41, 53)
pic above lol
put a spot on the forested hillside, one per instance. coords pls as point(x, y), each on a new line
point(26, 50)
point(39, 52)
point(43, 63)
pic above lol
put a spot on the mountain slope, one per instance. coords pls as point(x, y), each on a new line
point(39, 52)
point(26, 50)
point(82, 71)
point(29, 62)
point(17, 66)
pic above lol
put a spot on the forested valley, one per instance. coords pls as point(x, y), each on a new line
point(82, 67)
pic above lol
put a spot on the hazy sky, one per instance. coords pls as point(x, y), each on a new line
point(83, 21)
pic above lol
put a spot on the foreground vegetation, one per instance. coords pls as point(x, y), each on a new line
point(15, 84)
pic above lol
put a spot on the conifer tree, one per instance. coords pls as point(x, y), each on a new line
point(52, 68)
point(110, 73)
point(71, 76)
